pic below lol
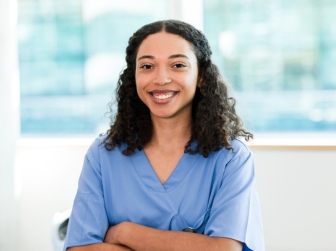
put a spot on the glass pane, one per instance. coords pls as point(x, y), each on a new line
point(71, 53)
point(280, 58)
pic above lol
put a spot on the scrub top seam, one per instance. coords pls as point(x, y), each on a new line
point(186, 174)
point(81, 238)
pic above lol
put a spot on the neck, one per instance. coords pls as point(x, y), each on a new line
point(170, 134)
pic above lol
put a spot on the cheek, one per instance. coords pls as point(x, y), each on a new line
point(191, 80)
point(140, 88)
point(140, 80)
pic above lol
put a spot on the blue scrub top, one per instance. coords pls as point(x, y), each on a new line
point(215, 196)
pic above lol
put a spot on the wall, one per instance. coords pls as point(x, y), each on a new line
point(9, 123)
point(297, 190)
point(48, 178)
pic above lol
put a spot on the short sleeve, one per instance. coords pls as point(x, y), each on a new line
point(235, 212)
point(88, 221)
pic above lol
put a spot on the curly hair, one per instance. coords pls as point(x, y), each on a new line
point(214, 119)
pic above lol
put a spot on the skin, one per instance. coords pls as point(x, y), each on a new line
point(166, 81)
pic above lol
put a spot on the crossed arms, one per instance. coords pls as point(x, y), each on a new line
point(128, 236)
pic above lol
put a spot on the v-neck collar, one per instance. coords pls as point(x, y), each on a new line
point(152, 181)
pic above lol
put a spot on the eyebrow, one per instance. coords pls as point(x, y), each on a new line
point(170, 57)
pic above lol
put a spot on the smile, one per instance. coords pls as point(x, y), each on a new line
point(162, 95)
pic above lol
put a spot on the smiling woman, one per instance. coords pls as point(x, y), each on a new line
point(171, 172)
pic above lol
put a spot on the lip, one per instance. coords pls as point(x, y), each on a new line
point(162, 96)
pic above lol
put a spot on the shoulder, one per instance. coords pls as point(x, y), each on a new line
point(97, 145)
point(239, 149)
point(97, 149)
point(225, 160)
point(99, 141)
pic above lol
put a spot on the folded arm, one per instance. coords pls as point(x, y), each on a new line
point(141, 238)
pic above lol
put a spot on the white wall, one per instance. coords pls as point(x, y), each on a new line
point(297, 190)
point(9, 123)
point(48, 178)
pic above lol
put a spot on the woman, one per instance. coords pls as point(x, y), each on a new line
point(170, 174)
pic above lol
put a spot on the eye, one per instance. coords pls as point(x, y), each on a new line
point(146, 66)
point(179, 65)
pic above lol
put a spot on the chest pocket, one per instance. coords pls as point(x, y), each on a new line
point(178, 223)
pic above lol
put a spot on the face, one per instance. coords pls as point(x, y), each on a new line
point(166, 75)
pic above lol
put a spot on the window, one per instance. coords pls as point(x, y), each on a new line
point(279, 57)
point(71, 53)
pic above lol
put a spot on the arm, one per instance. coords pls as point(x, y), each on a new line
point(88, 222)
point(141, 238)
point(100, 247)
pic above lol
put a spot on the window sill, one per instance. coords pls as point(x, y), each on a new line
point(295, 141)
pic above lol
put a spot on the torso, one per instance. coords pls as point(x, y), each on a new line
point(198, 193)
point(133, 189)
point(215, 196)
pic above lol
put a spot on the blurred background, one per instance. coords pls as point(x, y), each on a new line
point(59, 65)
point(278, 55)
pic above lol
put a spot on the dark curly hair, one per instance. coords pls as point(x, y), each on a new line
point(215, 121)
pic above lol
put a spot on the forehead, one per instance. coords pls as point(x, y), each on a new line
point(165, 44)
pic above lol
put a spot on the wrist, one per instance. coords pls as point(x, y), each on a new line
point(114, 234)
point(122, 232)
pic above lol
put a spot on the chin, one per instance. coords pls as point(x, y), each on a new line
point(162, 116)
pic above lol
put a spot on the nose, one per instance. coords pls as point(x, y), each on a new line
point(162, 77)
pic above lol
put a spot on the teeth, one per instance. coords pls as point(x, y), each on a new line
point(163, 96)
